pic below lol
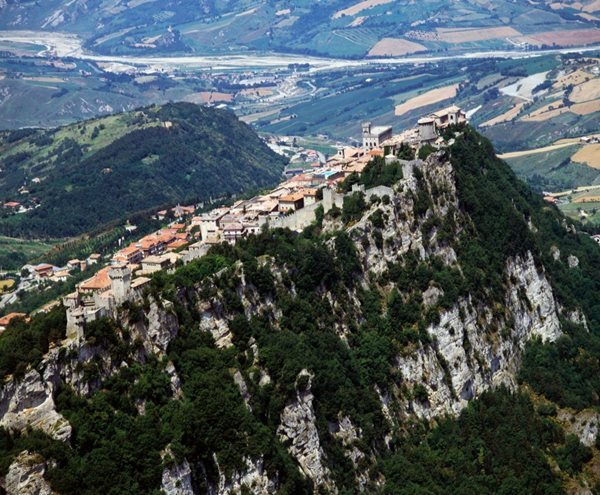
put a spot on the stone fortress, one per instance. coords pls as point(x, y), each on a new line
point(101, 296)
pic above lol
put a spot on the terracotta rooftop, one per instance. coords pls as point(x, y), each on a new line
point(43, 267)
point(5, 320)
point(291, 198)
point(100, 281)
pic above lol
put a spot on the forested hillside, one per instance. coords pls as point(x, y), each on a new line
point(79, 177)
point(439, 337)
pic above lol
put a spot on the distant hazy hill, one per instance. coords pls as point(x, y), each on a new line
point(87, 174)
point(344, 28)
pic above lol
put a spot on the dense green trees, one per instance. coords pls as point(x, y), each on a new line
point(496, 446)
point(207, 153)
point(24, 343)
point(499, 444)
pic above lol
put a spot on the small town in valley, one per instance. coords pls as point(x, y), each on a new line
point(292, 204)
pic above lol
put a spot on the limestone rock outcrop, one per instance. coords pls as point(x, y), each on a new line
point(298, 431)
point(26, 476)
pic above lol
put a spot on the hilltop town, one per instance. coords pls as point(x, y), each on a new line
point(292, 204)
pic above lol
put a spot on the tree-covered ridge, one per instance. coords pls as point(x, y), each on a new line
point(566, 372)
point(304, 316)
point(148, 158)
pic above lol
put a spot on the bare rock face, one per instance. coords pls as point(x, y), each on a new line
point(573, 261)
point(584, 425)
point(26, 476)
point(537, 314)
point(254, 478)
point(345, 431)
point(468, 357)
point(298, 431)
point(160, 328)
point(177, 479)
point(28, 402)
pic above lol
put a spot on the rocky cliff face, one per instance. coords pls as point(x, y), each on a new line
point(26, 476)
point(466, 348)
point(298, 431)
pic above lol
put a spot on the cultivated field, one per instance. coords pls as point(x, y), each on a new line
point(507, 116)
point(576, 77)
point(469, 35)
point(428, 98)
point(587, 91)
point(589, 6)
point(555, 109)
point(587, 199)
point(589, 155)
point(535, 151)
point(395, 47)
point(359, 7)
point(546, 112)
point(6, 285)
point(586, 108)
point(592, 7)
point(572, 37)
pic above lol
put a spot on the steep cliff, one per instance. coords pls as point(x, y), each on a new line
point(314, 363)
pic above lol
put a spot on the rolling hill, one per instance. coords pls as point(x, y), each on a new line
point(341, 28)
point(77, 177)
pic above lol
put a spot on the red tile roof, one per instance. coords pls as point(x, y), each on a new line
point(5, 320)
point(99, 281)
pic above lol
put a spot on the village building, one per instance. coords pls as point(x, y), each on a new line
point(131, 255)
point(302, 180)
point(43, 270)
point(182, 211)
point(449, 116)
point(73, 264)
point(233, 232)
point(291, 202)
point(430, 126)
point(210, 222)
point(100, 295)
point(94, 258)
point(60, 275)
point(177, 244)
point(194, 251)
point(5, 320)
point(427, 129)
point(310, 196)
point(12, 205)
point(348, 153)
point(373, 136)
point(356, 167)
point(153, 264)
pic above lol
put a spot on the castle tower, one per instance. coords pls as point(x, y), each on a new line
point(120, 282)
point(75, 323)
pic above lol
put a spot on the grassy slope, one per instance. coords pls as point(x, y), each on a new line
point(15, 252)
point(553, 170)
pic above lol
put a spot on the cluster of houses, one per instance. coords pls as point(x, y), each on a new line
point(47, 272)
point(305, 187)
point(190, 236)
